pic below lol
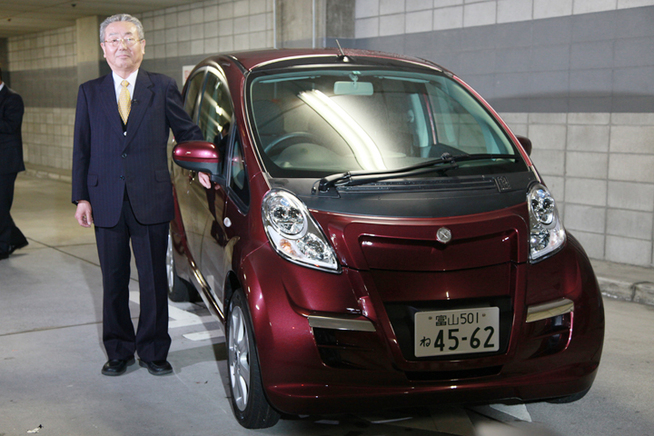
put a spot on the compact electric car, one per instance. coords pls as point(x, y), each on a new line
point(374, 236)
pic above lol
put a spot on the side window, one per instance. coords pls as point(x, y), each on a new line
point(215, 109)
point(192, 93)
point(238, 180)
point(215, 116)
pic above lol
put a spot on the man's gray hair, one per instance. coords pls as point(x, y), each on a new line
point(122, 17)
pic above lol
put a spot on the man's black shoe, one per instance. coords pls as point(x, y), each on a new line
point(157, 367)
point(115, 367)
point(13, 248)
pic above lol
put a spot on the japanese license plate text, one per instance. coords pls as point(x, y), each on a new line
point(462, 331)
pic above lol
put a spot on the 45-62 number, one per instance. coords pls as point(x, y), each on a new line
point(479, 338)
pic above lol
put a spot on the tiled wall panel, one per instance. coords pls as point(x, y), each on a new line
point(570, 62)
point(47, 136)
point(209, 27)
point(577, 77)
point(606, 162)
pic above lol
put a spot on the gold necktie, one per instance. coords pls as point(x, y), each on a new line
point(124, 101)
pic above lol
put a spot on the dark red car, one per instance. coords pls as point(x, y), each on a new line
point(374, 237)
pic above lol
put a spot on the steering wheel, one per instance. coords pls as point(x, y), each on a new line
point(289, 136)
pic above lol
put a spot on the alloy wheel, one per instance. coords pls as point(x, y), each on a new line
point(239, 358)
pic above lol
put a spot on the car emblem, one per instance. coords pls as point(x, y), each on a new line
point(444, 235)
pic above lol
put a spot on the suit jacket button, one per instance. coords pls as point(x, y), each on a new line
point(122, 177)
point(124, 133)
point(124, 155)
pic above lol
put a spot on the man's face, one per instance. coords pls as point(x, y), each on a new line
point(123, 58)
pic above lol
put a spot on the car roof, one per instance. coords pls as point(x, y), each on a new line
point(278, 58)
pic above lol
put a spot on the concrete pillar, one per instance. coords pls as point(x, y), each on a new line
point(89, 53)
point(295, 23)
point(339, 19)
point(313, 23)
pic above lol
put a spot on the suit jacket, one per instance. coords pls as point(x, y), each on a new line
point(11, 142)
point(109, 160)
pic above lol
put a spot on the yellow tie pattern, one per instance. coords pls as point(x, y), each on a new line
point(124, 101)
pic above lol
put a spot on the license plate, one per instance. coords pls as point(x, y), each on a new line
point(461, 331)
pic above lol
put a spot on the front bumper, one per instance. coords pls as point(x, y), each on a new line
point(327, 344)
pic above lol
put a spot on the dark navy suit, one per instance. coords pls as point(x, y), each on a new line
point(11, 163)
point(122, 170)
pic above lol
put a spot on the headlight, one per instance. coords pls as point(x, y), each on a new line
point(547, 235)
point(293, 232)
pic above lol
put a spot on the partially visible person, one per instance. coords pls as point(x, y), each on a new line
point(11, 163)
point(122, 186)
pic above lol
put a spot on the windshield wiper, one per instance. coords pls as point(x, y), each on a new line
point(444, 163)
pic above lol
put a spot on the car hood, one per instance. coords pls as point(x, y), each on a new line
point(396, 228)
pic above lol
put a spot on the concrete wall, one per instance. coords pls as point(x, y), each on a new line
point(44, 71)
point(600, 167)
point(576, 76)
point(208, 27)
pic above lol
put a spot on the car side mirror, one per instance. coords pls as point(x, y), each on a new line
point(526, 143)
point(199, 156)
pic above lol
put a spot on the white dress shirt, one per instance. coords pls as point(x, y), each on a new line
point(131, 79)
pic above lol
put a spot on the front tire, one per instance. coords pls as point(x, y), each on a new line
point(249, 403)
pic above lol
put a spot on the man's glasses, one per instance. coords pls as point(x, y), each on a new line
point(129, 42)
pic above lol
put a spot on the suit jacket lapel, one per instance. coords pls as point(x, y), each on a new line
point(110, 104)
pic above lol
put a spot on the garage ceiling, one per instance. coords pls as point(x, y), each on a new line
point(20, 17)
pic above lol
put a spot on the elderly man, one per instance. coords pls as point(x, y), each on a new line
point(121, 185)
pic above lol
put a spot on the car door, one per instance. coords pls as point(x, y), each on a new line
point(215, 118)
point(191, 197)
point(185, 181)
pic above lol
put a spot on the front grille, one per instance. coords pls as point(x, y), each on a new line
point(347, 349)
point(550, 335)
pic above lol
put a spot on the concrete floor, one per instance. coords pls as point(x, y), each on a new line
point(51, 355)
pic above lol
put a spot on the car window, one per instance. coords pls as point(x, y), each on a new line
point(461, 123)
point(216, 113)
point(238, 180)
point(192, 92)
point(328, 121)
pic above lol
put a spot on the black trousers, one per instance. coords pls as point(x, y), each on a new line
point(149, 242)
point(9, 233)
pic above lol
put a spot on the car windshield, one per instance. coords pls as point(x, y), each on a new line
point(328, 121)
